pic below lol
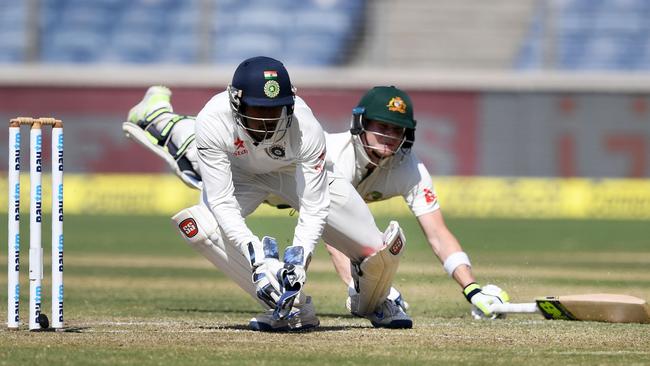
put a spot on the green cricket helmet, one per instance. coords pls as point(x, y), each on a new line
point(386, 104)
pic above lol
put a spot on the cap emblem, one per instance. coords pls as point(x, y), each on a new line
point(396, 104)
point(271, 88)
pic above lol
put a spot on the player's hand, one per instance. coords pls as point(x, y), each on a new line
point(483, 298)
point(268, 288)
point(292, 278)
point(265, 272)
point(294, 275)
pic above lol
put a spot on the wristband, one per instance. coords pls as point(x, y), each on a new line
point(470, 290)
point(454, 260)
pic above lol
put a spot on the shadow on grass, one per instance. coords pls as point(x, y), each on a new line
point(75, 329)
point(212, 311)
point(246, 312)
point(62, 330)
point(319, 329)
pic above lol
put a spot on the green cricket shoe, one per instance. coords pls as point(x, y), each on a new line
point(156, 101)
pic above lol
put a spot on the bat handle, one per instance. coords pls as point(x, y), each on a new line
point(514, 308)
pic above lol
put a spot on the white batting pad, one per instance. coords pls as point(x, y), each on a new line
point(373, 278)
point(199, 228)
point(132, 131)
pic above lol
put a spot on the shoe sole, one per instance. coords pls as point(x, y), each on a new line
point(395, 324)
point(263, 327)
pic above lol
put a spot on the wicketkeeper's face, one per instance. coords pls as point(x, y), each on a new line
point(261, 122)
point(383, 139)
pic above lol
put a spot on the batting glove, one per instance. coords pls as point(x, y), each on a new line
point(482, 300)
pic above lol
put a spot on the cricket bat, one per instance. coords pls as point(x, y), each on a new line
point(608, 308)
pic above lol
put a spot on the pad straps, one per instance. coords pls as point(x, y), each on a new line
point(162, 137)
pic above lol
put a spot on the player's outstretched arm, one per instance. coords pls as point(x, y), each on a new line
point(456, 263)
point(446, 247)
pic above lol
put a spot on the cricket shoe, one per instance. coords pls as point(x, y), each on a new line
point(153, 124)
point(393, 295)
point(390, 315)
point(156, 101)
point(301, 318)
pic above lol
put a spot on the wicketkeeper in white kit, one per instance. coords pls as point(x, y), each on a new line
point(257, 139)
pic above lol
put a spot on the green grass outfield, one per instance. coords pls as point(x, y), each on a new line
point(137, 294)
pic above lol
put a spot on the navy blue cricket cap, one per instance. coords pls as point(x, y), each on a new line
point(264, 82)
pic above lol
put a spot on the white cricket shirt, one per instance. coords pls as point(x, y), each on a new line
point(400, 175)
point(227, 154)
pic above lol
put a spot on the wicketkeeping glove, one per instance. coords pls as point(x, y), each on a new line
point(483, 298)
point(292, 278)
point(265, 271)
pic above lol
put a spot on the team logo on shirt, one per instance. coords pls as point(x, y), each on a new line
point(396, 104)
point(373, 196)
point(240, 148)
point(429, 196)
point(276, 152)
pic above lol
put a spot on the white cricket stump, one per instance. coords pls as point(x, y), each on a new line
point(57, 227)
point(13, 229)
point(35, 219)
point(36, 322)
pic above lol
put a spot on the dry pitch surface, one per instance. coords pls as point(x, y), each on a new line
point(138, 295)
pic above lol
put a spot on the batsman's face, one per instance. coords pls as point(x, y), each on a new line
point(383, 139)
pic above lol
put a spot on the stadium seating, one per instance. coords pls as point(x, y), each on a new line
point(120, 31)
point(302, 32)
point(13, 36)
point(589, 35)
point(308, 32)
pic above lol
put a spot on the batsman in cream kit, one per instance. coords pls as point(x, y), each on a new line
point(258, 142)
